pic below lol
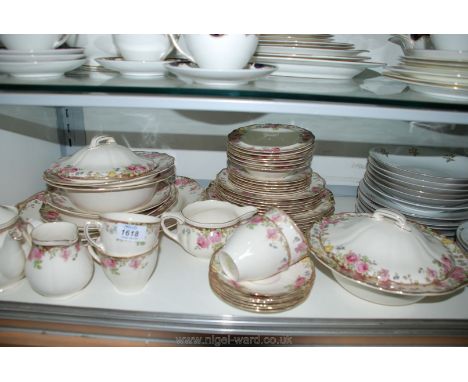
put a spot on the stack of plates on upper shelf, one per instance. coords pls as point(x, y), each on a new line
point(437, 73)
point(277, 293)
point(314, 56)
point(106, 177)
point(269, 166)
point(462, 236)
point(428, 186)
point(49, 63)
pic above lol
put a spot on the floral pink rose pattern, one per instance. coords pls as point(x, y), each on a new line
point(39, 254)
point(274, 236)
point(448, 273)
point(115, 264)
point(208, 239)
point(130, 171)
point(184, 183)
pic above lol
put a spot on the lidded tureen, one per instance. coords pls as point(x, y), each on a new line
point(384, 252)
point(102, 159)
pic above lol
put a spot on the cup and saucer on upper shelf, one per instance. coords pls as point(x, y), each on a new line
point(142, 55)
point(218, 59)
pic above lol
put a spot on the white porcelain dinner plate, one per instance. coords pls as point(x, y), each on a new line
point(325, 69)
point(286, 50)
point(456, 78)
point(48, 52)
point(431, 164)
point(134, 68)
point(40, 58)
point(302, 58)
point(462, 235)
point(46, 69)
point(435, 54)
point(308, 44)
point(220, 77)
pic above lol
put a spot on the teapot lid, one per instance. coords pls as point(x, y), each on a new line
point(8, 215)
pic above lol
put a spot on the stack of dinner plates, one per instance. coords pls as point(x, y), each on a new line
point(314, 56)
point(49, 63)
point(437, 73)
point(428, 186)
point(269, 165)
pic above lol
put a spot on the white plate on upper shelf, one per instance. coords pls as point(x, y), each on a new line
point(49, 52)
point(436, 54)
point(39, 58)
point(45, 69)
point(219, 77)
point(338, 70)
point(134, 68)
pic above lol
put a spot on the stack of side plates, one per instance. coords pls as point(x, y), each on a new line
point(269, 165)
point(437, 73)
point(50, 63)
point(429, 186)
point(314, 56)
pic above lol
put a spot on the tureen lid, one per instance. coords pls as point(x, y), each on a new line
point(8, 215)
point(386, 251)
point(102, 159)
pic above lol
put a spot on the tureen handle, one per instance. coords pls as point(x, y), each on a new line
point(100, 140)
point(398, 218)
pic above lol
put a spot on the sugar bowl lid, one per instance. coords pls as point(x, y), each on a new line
point(386, 251)
point(102, 159)
point(8, 216)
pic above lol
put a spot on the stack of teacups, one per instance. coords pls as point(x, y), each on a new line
point(264, 265)
point(36, 56)
point(269, 165)
point(106, 177)
point(127, 248)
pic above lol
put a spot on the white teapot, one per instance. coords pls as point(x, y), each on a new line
point(12, 247)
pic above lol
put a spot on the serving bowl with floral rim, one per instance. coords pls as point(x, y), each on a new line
point(381, 257)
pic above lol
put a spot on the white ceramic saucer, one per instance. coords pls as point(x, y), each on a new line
point(50, 52)
point(434, 54)
point(39, 58)
point(134, 68)
point(46, 69)
point(191, 73)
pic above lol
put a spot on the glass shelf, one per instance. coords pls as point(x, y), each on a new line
point(271, 87)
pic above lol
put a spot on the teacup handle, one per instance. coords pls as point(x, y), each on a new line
point(91, 241)
point(179, 49)
point(171, 215)
point(94, 256)
point(61, 40)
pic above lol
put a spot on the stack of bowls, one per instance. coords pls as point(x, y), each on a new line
point(462, 236)
point(428, 186)
point(106, 177)
point(269, 166)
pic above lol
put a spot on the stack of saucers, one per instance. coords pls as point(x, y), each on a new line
point(269, 166)
point(437, 73)
point(50, 63)
point(106, 177)
point(259, 277)
point(315, 56)
point(428, 186)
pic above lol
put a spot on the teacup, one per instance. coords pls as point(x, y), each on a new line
point(203, 227)
point(218, 51)
point(297, 243)
point(58, 265)
point(124, 234)
point(127, 274)
point(143, 47)
point(255, 251)
point(32, 41)
point(450, 41)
